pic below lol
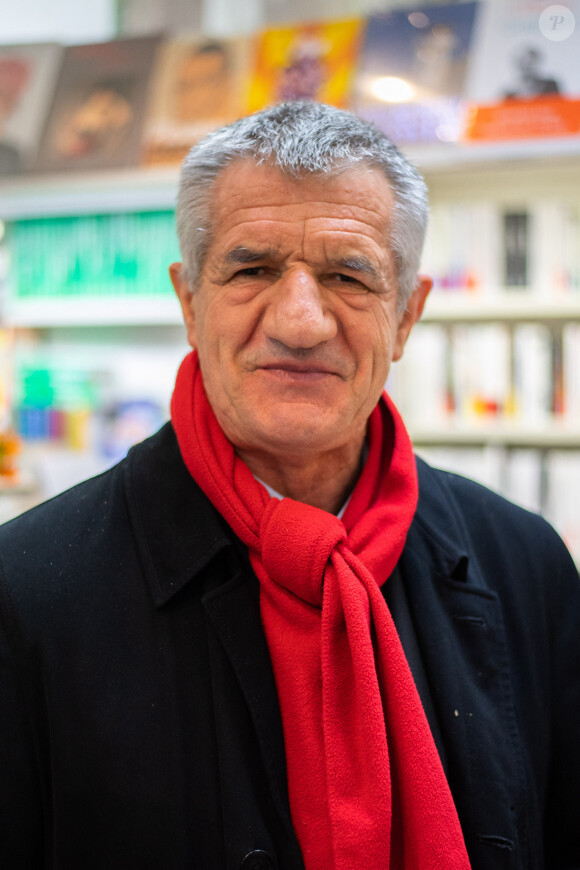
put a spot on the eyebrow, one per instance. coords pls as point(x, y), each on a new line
point(357, 264)
point(242, 255)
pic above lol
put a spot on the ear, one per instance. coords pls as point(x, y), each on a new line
point(184, 294)
point(411, 314)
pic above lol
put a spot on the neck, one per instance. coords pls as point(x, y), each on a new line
point(324, 481)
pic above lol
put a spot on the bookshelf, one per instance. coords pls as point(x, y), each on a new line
point(555, 436)
point(470, 308)
point(102, 192)
point(152, 188)
point(489, 384)
point(114, 312)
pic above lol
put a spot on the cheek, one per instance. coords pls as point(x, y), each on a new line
point(222, 335)
point(375, 342)
point(230, 323)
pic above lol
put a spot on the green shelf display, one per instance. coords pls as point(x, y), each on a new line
point(89, 256)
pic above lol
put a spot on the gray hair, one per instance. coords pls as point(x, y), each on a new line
point(301, 138)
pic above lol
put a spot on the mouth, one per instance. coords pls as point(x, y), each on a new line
point(297, 373)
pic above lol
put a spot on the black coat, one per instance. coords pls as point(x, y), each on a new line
point(139, 724)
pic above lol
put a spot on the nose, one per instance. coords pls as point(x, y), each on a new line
point(298, 314)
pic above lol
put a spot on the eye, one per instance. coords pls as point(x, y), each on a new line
point(349, 282)
point(250, 272)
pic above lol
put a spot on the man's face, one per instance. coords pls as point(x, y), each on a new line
point(295, 319)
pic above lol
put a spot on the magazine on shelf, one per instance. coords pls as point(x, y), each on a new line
point(98, 108)
point(27, 77)
point(411, 74)
point(197, 85)
point(524, 77)
point(314, 61)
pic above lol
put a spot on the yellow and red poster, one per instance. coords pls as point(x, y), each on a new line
point(314, 61)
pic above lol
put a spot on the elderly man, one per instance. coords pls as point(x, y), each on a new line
point(270, 638)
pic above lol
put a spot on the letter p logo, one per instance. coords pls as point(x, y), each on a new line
point(557, 23)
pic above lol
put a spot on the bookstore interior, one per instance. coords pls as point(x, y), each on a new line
point(484, 97)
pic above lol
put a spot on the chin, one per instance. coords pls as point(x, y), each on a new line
point(299, 436)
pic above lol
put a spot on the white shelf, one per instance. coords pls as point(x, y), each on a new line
point(518, 305)
point(88, 193)
point(549, 436)
point(454, 157)
point(95, 311)
point(139, 189)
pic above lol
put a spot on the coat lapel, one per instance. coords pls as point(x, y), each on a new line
point(233, 611)
point(182, 540)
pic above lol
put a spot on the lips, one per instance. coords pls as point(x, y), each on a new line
point(295, 372)
point(297, 369)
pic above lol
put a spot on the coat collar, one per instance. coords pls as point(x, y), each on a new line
point(439, 535)
point(177, 530)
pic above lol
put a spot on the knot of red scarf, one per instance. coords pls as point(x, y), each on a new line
point(300, 570)
point(365, 782)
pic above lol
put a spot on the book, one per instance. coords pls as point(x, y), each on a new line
point(486, 465)
point(313, 61)
point(461, 247)
point(556, 247)
point(98, 110)
point(411, 73)
point(571, 373)
point(197, 85)
point(533, 376)
point(562, 507)
point(522, 478)
point(481, 372)
point(419, 382)
point(524, 77)
point(516, 248)
point(27, 78)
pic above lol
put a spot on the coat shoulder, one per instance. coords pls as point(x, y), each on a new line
point(57, 546)
point(497, 531)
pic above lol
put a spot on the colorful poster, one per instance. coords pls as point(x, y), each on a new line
point(412, 71)
point(524, 80)
point(27, 77)
point(314, 61)
point(198, 85)
point(98, 109)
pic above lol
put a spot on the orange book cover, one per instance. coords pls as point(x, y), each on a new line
point(524, 79)
point(314, 61)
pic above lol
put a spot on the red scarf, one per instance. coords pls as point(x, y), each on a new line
point(362, 793)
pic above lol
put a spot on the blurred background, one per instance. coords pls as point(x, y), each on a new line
point(99, 103)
